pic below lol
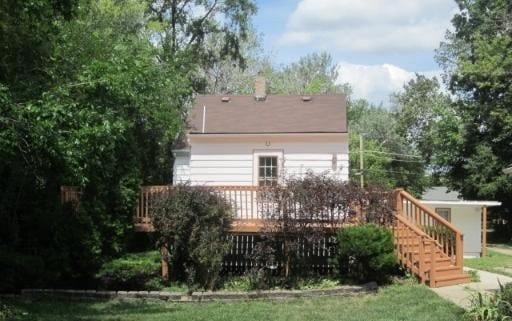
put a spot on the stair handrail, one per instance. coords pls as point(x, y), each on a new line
point(407, 258)
point(429, 211)
point(413, 227)
point(459, 235)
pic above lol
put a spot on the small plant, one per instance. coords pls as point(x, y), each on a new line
point(475, 277)
point(239, 284)
point(317, 283)
point(485, 308)
point(9, 311)
point(366, 253)
point(135, 271)
point(495, 307)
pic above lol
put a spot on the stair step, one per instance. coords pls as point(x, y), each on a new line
point(454, 279)
point(442, 271)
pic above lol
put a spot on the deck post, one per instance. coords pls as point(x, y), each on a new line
point(399, 201)
point(484, 231)
point(459, 258)
point(421, 256)
point(432, 264)
point(164, 254)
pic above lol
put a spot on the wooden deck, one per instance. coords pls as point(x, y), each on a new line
point(425, 244)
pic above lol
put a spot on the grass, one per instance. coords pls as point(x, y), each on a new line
point(493, 262)
point(406, 301)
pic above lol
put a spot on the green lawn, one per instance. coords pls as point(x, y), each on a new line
point(406, 301)
point(493, 262)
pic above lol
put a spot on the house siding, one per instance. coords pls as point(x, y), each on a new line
point(216, 162)
point(181, 167)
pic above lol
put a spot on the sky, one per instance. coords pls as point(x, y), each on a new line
point(378, 45)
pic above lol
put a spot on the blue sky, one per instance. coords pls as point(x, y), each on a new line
point(378, 44)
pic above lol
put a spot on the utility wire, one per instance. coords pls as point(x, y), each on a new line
point(401, 160)
point(395, 154)
point(357, 171)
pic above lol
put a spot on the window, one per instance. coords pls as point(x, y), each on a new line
point(445, 213)
point(267, 171)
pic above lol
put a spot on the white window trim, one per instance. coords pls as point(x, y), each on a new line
point(257, 153)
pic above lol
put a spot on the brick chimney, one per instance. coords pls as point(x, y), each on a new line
point(260, 88)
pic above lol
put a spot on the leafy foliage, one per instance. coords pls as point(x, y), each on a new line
point(366, 253)
point(476, 57)
point(88, 98)
point(314, 73)
point(135, 271)
point(389, 158)
point(495, 307)
point(306, 210)
point(191, 223)
point(428, 121)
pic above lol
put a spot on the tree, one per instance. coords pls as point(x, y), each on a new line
point(226, 75)
point(477, 59)
point(314, 73)
point(184, 30)
point(427, 120)
point(27, 30)
point(389, 159)
point(104, 121)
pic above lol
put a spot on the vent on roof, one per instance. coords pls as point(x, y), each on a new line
point(306, 98)
point(225, 99)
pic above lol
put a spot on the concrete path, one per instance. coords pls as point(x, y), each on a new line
point(502, 250)
point(461, 294)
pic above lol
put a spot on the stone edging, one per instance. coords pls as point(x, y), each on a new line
point(346, 290)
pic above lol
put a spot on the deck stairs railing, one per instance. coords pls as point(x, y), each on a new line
point(426, 244)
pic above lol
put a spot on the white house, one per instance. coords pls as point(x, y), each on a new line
point(256, 140)
point(468, 216)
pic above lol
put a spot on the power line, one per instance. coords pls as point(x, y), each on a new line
point(388, 153)
point(401, 160)
point(356, 171)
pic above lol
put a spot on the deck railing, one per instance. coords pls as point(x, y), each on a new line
point(70, 194)
point(251, 206)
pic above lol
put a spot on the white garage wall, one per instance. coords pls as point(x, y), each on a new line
point(233, 162)
point(468, 219)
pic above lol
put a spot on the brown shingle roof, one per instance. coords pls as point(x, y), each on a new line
point(275, 114)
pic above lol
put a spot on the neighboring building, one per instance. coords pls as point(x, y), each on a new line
point(257, 140)
point(469, 216)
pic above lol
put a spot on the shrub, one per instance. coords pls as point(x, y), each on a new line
point(9, 311)
point(326, 201)
point(191, 222)
point(486, 308)
point(19, 270)
point(135, 271)
point(366, 253)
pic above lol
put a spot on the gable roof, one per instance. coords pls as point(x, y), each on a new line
point(275, 114)
point(440, 193)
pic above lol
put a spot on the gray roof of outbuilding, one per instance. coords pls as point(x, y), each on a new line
point(440, 193)
point(275, 114)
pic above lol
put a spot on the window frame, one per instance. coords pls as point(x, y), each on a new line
point(449, 212)
point(256, 164)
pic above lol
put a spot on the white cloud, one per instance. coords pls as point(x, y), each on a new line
point(369, 25)
point(376, 83)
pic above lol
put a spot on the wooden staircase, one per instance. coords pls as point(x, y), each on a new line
point(426, 244)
